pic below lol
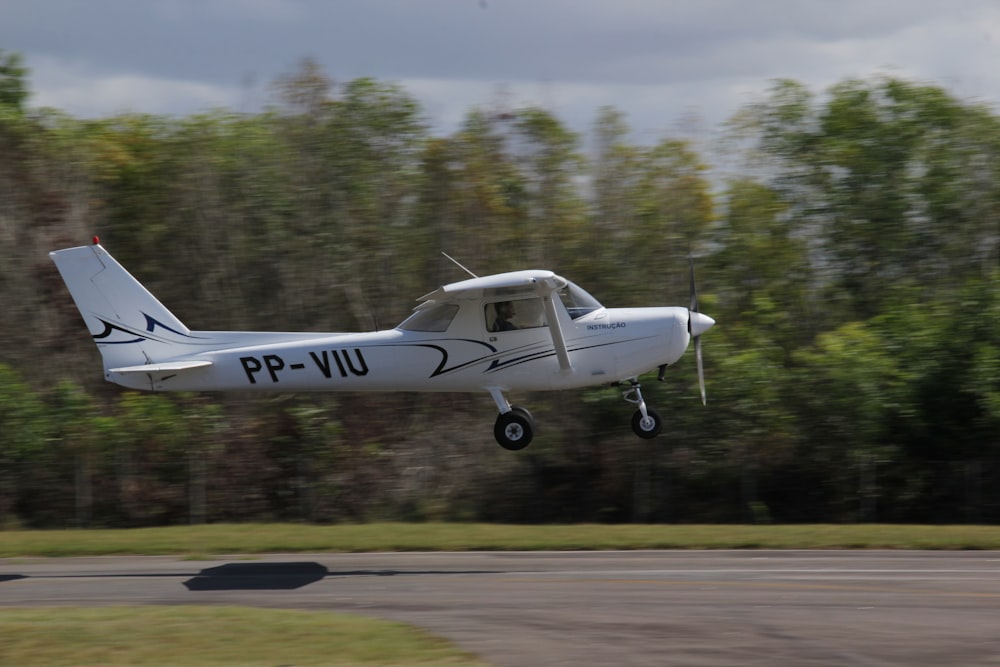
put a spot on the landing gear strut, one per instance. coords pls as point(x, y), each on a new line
point(645, 422)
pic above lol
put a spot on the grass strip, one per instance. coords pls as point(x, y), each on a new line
point(182, 636)
point(195, 541)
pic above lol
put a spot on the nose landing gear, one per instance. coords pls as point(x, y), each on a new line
point(646, 423)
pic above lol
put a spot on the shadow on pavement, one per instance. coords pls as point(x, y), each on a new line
point(284, 576)
point(256, 576)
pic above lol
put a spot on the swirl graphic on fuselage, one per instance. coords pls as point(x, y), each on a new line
point(136, 335)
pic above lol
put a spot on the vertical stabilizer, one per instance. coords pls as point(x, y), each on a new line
point(130, 326)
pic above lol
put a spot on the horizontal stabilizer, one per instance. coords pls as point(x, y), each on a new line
point(165, 367)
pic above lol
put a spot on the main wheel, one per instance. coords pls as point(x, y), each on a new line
point(648, 426)
point(514, 429)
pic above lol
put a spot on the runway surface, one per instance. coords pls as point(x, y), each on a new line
point(592, 608)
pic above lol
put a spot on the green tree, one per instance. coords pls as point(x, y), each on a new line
point(25, 433)
point(552, 215)
point(879, 179)
point(615, 171)
point(760, 269)
point(13, 84)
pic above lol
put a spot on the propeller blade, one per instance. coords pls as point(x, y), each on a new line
point(701, 369)
point(694, 290)
point(697, 325)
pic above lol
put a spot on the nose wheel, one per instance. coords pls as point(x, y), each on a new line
point(646, 426)
point(646, 423)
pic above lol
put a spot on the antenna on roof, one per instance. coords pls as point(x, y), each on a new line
point(458, 264)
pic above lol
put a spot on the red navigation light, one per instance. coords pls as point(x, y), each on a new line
point(96, 240)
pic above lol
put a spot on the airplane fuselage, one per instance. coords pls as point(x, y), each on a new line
point(605, 346)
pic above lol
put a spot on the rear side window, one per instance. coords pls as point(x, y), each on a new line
point(435, 319)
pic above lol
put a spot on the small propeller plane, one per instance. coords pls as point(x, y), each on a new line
point(518, 331)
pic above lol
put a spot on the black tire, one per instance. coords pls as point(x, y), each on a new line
point(647, 428)
point(515, 429)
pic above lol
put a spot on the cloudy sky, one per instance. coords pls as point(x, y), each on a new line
point(673, 66)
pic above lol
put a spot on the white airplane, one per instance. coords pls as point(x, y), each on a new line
point(519, 331)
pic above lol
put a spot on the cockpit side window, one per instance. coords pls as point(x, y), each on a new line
point(436, 318)
point(578, 301)
point(514, 314)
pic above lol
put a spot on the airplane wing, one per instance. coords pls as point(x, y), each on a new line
point(515, 283)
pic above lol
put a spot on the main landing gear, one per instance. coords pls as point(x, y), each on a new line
point(514, 427)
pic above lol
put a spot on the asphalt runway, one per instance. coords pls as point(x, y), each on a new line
point(592, 608)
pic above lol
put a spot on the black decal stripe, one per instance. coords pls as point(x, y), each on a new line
point(551, 353)
point(110, 329)
point(611, 342)
point(502, 360)
point(152, 323)
point(148, 334)
point(442, 367)
point(444, 358)
point(140, 336)
point(518, 362)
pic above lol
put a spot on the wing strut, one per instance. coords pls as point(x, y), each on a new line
point(558, 341)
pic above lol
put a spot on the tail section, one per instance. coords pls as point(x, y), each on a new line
point(132, 329)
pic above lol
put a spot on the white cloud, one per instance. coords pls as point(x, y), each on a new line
point(657, 61)
point(653, 111)
point(82, 92)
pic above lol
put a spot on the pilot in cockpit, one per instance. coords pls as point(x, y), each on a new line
point(505, 312)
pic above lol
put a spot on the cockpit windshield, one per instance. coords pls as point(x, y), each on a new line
point(577, 300)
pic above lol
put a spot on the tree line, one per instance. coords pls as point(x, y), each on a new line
point(847, 242)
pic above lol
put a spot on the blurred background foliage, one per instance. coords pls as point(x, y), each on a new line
point(850, 252)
